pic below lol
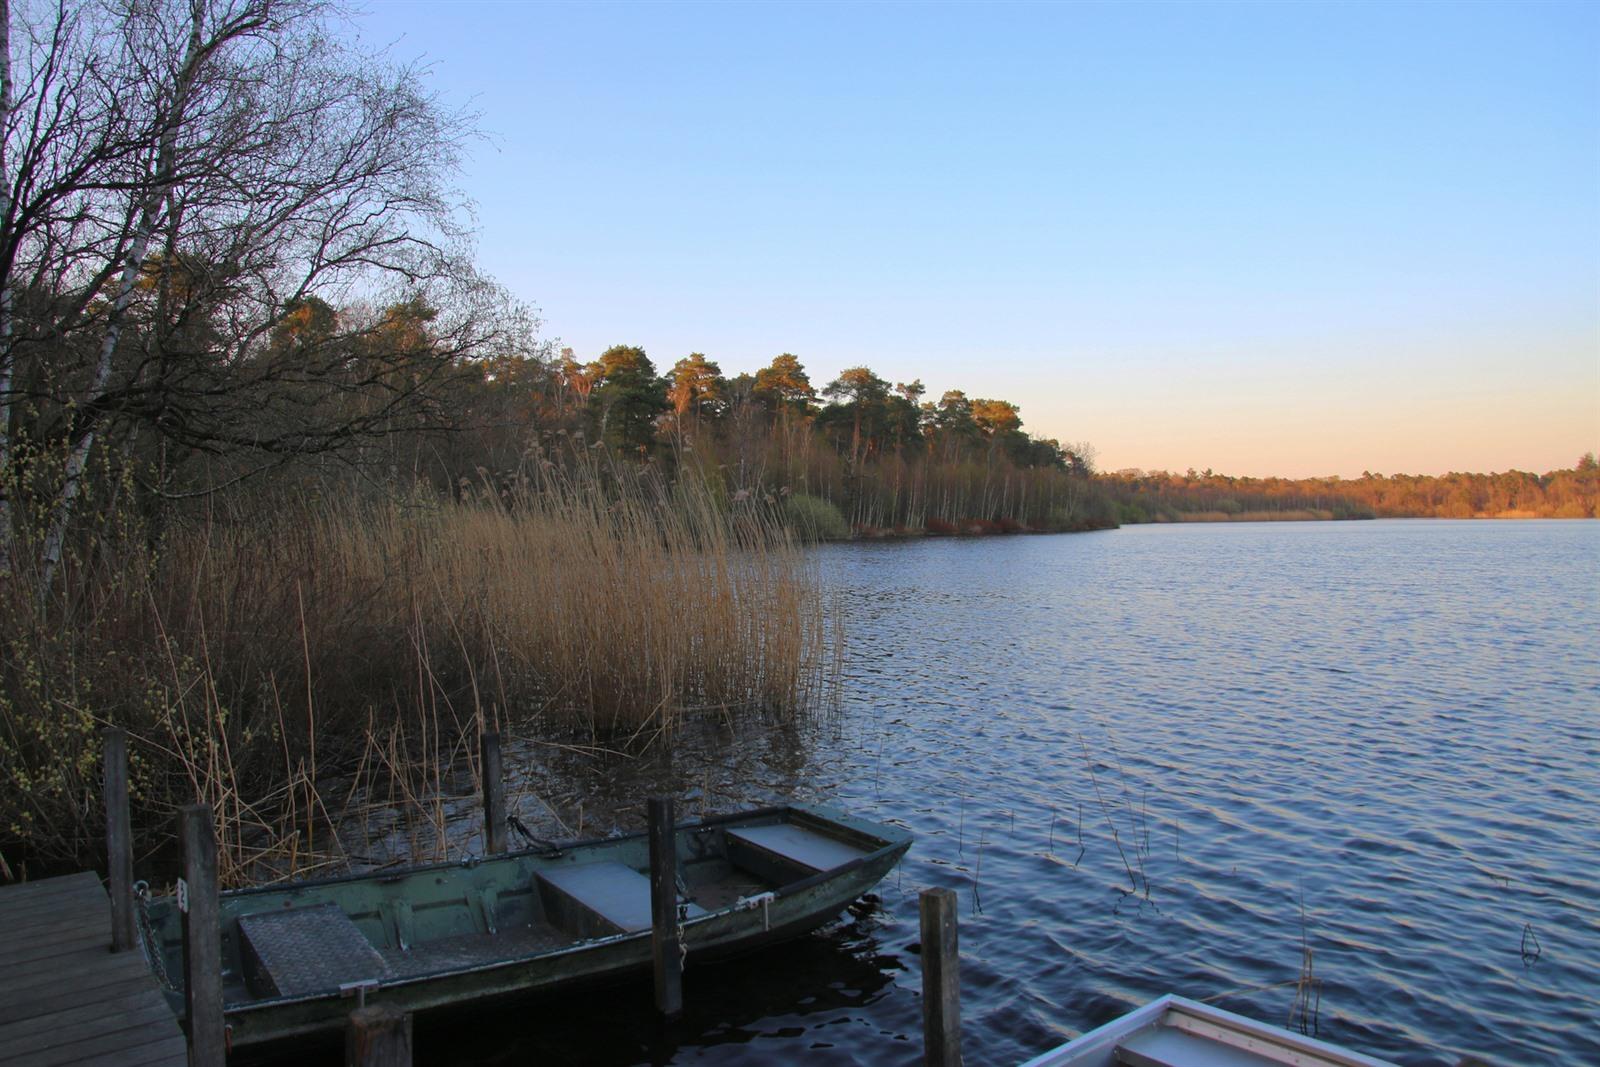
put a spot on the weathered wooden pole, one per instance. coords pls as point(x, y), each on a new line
point(378, 1036)
point(941, 980)
point(202, 939)
point(664, 909)
point(119, 840)
point(494, 794)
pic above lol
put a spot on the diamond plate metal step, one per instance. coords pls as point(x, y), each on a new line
point(305, 950)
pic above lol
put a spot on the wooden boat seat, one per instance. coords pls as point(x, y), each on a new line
point(304, 950)
point(808, 849)
point(1166, 1046)
point(600, 898)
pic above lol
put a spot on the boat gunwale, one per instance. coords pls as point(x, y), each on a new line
point(555, 847)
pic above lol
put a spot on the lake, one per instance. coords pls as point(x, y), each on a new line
point(1168, 759)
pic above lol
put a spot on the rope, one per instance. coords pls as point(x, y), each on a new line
point(552, 850)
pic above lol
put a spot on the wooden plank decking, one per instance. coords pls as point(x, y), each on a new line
point(65, 997)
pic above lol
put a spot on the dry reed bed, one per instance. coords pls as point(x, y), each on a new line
point(252, 656)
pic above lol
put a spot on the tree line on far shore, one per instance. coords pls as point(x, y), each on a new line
point(1163, 496)
point(857, 455)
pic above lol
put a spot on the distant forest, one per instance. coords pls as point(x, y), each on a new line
point(857, 455)
point(1162, 496)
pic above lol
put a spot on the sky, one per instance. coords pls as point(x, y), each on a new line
point(1290, 239)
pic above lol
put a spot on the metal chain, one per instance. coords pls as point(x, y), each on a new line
point(683, 946)
point(148, 943)
point(681, 900)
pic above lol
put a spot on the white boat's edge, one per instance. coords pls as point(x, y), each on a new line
point(1202, 1020)
point(1104, 1038)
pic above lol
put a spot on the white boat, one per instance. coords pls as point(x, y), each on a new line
point(1175, 1032)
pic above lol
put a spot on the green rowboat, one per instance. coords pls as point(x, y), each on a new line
point(296, 957)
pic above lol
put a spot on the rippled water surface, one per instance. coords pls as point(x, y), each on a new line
point(1167, 759)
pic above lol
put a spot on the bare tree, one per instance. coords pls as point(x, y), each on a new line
point(223, 228)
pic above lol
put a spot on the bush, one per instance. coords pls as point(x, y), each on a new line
point(814, 519)
point(1130, 513)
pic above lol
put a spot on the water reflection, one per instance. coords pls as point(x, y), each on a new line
point(760, 1009)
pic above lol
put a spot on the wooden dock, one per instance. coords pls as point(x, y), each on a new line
point(65, 997)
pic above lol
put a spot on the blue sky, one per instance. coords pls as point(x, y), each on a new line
point(1277, 238)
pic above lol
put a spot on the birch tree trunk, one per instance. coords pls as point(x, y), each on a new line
point(6, 298)
point(155, 196)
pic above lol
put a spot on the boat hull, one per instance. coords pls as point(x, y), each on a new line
point(593, 963)
point(792, 907)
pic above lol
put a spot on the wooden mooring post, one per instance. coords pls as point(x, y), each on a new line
point(202, 939)
point(378, 1036)
point(119, 840)
point(664, 944)
point(941, 979)
point(494, 793)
